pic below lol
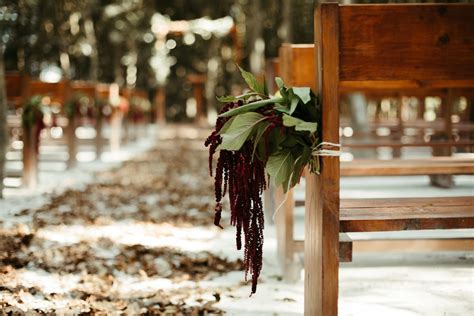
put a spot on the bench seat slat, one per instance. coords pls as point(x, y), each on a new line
point(403, 202)
point(408, 167)
point(406, 214)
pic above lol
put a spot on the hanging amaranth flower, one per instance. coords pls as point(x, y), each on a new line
point(255, 135)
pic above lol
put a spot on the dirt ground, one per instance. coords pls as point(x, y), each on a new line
point(94, 250)
point(139, 239)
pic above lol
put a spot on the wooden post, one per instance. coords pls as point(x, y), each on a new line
point(322, 191)
point(115, 130)
point(198, 82)
point(115, 118)
point(30, 157)
point(160, 105)
point(71, 141)
point(284, 230)
point(99, 122)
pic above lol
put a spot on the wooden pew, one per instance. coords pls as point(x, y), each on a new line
point(297, 67)
point(354, 52)
point(159, 103)
point(115, 108)
point(198, 83)
point(139, 113)
point(297, 61)
point(87, 89)
point(19, 89)
point(103, 109)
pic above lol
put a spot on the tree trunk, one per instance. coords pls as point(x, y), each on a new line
point(89, 31)
point(256, 43)
point(286, 23)
point(3, 122)
point(92, 40)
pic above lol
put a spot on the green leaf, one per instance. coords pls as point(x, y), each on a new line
point(299, 124)
point(274, 140)
point(231, 98)
point(280, 83)
point(294, 103)
point(251, 106)
point(282, 108)
point(226, 98)
point(239, 130)
point(252, 81)
point(226, 126)
point(290, 142)
point(304, 93)
point(279, 166)
point(299, 165)
point(260, 131)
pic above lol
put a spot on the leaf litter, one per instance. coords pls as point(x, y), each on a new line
point(89, 250)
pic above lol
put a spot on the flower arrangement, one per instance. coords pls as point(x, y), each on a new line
point(33, 112)
point(255, 135)
point(139, 108)
point(79, 105)
point(32, 116)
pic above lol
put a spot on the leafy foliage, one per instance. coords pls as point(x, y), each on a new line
point(255, 135)
point(32, 112)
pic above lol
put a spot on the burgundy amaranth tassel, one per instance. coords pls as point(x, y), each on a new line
point(244, 180)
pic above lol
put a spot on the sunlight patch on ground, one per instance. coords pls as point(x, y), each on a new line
point(134, 233)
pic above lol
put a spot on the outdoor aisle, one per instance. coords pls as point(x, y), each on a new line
point(140, 238)
point(137, 239)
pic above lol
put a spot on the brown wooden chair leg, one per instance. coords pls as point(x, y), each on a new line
point(30, 158)
point(71, 143)
point(98, 136)
point(115, 131)
point(284, 228)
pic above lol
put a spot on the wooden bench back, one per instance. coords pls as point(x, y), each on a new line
point(103, 91)
point(380, 45)
point(297, 64)
point(17, 87)
point(139, 93)
point(84, 87)
point(406, 45)
point(58, 91)
point(365, 46)
point(272, 70)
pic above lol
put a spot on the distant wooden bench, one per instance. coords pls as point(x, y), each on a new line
point(354, 52)
point(21, 87)
point(91, 91)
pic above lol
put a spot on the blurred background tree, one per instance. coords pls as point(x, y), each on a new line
point(117, 41)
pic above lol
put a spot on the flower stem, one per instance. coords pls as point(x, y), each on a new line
point(252, 106)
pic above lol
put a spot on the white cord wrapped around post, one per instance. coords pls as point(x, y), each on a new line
point(321, 150)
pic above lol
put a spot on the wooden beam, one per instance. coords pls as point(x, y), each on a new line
point(30, 157)
point(322, 191)
point(367, 215)
point(405, 168)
